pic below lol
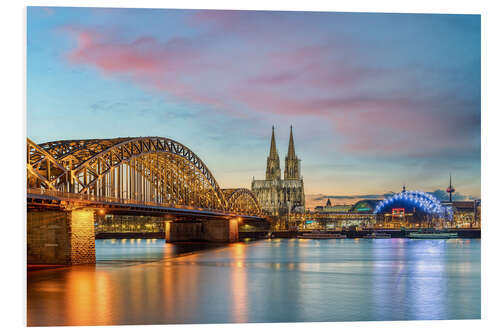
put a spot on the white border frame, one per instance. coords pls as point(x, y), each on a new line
point(13, 120)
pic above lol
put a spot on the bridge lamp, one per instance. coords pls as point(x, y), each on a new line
point(101, 211)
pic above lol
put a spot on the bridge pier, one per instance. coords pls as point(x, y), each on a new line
point(183, 231)
point(60, 237)
point(220, 231)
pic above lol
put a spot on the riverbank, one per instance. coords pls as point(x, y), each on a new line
point(130, 235)
point(244, 235)
point(396, 233)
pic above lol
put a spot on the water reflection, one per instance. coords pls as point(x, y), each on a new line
point(427, 279)
point(238, 288)
point(150, 282)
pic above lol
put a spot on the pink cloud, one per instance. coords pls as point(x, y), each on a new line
point(294, 77)
point(145, 55)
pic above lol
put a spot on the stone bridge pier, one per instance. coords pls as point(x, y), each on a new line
point(67, 237)
point(220, 231)
point(60, 237)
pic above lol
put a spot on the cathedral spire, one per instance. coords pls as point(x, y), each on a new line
point(273, 170)
point(272, 151)
point(292, 167)
point(291, 145)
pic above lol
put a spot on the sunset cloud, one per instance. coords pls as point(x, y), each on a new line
point(236, 70)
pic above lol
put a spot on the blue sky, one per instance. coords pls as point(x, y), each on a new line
point(376, 100)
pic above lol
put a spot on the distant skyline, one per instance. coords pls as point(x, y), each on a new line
point(376, 100)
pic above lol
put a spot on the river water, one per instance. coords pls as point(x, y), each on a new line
point(279, 280)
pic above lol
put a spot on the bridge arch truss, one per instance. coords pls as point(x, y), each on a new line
point(242, 200)
point(144, 169)
point(151, 169)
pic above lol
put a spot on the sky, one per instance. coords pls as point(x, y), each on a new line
point(376, 100)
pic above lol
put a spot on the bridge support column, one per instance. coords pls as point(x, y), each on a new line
point(60, 237)
point(183, 231)
point(224, 231)
point(220, 231)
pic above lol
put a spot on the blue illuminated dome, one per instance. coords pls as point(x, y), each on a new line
point(420, 203)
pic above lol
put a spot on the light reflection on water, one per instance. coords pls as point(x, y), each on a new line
point(150, 282)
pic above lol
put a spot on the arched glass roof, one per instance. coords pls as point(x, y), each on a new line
point(422, 202)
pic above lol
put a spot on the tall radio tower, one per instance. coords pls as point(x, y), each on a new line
point(450, 189)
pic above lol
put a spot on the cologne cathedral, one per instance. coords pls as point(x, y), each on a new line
point(281, 196)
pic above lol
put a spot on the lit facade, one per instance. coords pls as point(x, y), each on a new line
point(278, 196)
point(128, 224)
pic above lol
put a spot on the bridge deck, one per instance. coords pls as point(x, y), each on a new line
point(41, 198)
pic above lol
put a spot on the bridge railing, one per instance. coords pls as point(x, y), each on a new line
point(94, 198)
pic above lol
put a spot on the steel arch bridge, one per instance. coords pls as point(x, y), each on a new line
point(147, 169)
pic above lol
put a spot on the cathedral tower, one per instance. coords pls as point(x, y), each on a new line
point(277, 196)
point(292, 163)
point(273, 171)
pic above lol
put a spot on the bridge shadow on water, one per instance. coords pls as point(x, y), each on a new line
point(125, 252)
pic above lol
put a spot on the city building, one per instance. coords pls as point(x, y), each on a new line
point(329, 208)
point(466, 214)
point(366, 206)
point(281, 196)
point(416, 209)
